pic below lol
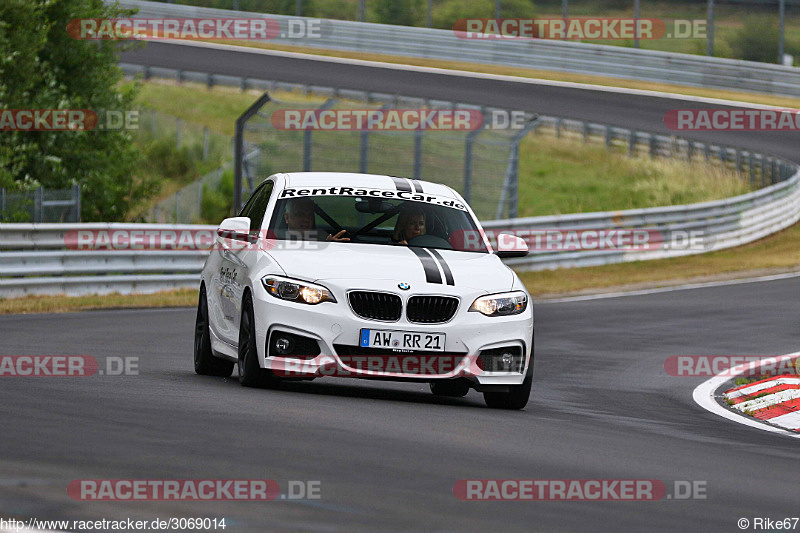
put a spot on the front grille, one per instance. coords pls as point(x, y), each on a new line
point(376, 305)
point(431, 309)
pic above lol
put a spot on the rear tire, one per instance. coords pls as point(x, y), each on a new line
point(452, 389)
point(516, 398)
point(205, 363)
point(250, 373)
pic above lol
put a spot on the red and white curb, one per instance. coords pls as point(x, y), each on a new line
point(775, 400)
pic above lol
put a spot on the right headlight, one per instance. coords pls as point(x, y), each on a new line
point(503, 304)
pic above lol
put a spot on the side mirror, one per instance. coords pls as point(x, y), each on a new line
point(511, 246)
point(236, 228)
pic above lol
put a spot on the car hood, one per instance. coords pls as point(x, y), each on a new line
point(331, 261)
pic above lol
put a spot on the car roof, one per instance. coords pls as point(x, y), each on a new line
point(368, 181)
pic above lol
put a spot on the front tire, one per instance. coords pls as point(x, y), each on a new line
point(205, 363)
point(516, 398)
point(250, 373)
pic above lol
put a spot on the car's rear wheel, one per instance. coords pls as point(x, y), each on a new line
point(516, 398)
point(451, 388)
point(250, 373)
point(204, 361)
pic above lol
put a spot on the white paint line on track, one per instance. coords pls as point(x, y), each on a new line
point(761, 386)
point(703, 395)
point(657, 290)
point(470, 74)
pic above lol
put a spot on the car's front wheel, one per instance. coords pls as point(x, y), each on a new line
point(204, 361)
point(250, 373)
point(516, 398)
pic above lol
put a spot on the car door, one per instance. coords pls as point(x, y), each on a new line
point(237, 261)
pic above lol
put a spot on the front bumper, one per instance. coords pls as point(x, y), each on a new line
point(336, 329)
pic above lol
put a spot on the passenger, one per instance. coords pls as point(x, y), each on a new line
point(299, 217)
point(410, 224)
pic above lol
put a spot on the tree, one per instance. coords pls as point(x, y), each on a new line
point(400, 12)
point(42, 67)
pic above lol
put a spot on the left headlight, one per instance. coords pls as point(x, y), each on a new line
point(298, 291)
point(504, 304)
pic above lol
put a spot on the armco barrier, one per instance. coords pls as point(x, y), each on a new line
point(33, 261)
point(582, 58)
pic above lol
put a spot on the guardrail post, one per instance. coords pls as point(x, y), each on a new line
point(689, 150)
point(558, 127)
point(243, 84)
point(210, 80)
point(738, 161)
point(652, 145)
point(706, 151)
point(631, 142)
point(585, 132)
point(179, 76)
point(608, 136)
point(772, 171)
point(752, 165)
point(363, 152)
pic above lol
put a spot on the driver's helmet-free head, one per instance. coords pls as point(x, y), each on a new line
point(410, 224)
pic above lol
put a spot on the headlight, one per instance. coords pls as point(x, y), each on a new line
point(507, 303)
point(297, 291)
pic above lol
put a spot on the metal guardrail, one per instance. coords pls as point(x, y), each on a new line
point(44, 267)
point(581, 58)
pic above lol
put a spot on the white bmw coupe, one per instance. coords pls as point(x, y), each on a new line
point(365, 276)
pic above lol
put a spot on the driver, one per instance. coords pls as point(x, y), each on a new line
point(299, 217)
point(410, 224)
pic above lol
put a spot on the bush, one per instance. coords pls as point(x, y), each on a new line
point(757, 40)
point(218, 202)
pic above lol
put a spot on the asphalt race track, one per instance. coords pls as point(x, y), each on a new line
point(643, 113)
point(388, 454)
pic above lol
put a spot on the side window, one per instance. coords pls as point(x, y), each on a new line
point(257, 205)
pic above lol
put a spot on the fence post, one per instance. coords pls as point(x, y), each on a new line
point(76, 199)
point(38, 196)
point(417, 153)
point(205, 143)
point(468, 141)
point(363, 152)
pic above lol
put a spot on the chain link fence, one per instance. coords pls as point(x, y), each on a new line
point(479, 163)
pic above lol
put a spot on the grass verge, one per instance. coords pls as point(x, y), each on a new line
point(63, 304)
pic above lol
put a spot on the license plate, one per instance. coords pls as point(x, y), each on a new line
point(402, 340)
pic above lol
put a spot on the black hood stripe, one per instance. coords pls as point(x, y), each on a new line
point(417, 186)
point(432, 274)
point(401, 184)
point(448, 274)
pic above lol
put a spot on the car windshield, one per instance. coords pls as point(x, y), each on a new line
point(372, 220)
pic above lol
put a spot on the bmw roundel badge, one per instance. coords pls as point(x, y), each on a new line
point(404, 286)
